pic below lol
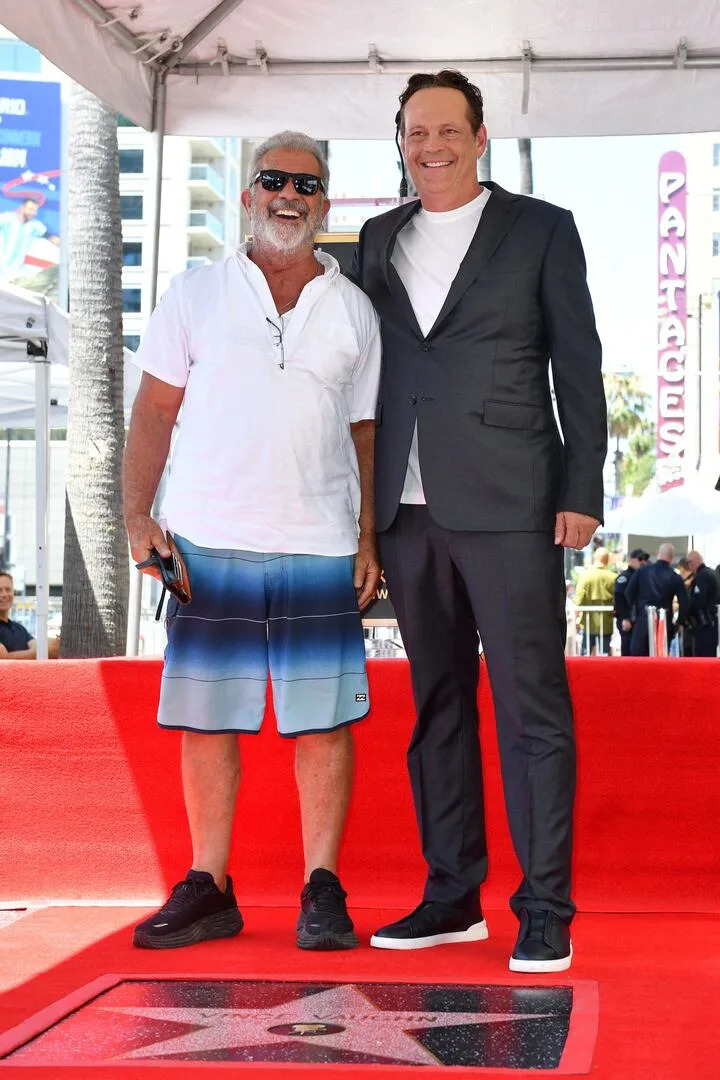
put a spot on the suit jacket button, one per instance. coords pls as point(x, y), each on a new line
point(425, 347)
point(413, 399)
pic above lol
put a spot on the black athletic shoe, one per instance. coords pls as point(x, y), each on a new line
point(433, 923)
point(323, 922)
point(543, 943)
point(195, 911)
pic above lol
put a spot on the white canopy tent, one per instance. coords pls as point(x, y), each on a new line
point(248, 68)
point(34, 327)
point(34, 334)
point(689, 510)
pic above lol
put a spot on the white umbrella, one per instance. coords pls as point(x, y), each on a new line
point(681, 511)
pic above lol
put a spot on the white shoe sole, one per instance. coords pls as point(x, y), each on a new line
point(476, 932)
point(539, 966)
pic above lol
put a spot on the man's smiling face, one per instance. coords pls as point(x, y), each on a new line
point(283, 219)
point(6, 596)
point(440, 148)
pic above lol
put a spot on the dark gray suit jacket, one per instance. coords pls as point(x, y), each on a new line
point(491, 456)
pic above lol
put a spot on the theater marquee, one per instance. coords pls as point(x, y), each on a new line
point(672, 320)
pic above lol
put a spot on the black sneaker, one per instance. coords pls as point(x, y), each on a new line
point(433, 923)
point(323, 922)
point(543, 943)
point(195, 911)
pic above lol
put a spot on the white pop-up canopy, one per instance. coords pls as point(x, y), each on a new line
point(28, 324)
point(34, 335)
point(247, 67)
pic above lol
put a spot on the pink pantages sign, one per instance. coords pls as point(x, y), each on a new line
point(672, 320)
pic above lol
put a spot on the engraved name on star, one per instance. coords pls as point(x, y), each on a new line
point(369, 1030)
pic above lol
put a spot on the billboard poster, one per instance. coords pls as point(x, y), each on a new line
point(672, 320)
point(30, 148)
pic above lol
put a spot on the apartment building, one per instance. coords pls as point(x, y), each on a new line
point(200, 212)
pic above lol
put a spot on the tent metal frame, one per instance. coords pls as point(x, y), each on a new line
point(167, 55)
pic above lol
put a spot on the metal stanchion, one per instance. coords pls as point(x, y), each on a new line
point(652, 625)
point(662, 632)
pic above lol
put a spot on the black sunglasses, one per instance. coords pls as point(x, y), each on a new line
point(276, 179)
point(173, 573)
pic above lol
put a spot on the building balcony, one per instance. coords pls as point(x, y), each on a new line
point(205, 229)
point(208, 147)
point(197, 260)
point(206, 184)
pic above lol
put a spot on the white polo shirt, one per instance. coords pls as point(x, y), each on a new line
point(264, 459)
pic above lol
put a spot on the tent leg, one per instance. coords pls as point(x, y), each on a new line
point(136, 578)
point(42, 468)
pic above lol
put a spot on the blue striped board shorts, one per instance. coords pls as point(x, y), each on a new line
point(294, 616)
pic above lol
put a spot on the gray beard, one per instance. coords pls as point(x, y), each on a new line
point(271, 232)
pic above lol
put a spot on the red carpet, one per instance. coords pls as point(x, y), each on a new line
point(89, 780)
point(90, 808)
point(657, 976)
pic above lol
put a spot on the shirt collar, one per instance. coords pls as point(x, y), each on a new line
point(328, 262)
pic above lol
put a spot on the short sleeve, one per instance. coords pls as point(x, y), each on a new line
point(366, 372)
point(164, 351)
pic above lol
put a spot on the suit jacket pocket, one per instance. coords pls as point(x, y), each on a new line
point(516, 414)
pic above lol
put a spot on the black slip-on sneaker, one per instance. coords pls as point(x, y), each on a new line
point(195, 911)
point(543, 943)
point(433, 923)
point(323, 922)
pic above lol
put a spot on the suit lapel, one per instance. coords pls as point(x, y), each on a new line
point(500, 212)
point(394, 284)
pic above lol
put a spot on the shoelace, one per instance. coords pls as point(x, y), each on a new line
point(181, 891)
point(325, 897)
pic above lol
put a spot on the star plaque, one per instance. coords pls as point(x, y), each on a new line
point(126, 1020)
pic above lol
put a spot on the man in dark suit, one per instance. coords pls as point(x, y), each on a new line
point(478, 292)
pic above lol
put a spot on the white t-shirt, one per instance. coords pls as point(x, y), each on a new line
point(264, 458)
point(427, 256)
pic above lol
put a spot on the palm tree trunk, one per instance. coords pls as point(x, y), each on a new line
point(95, 573)
point(526, 169)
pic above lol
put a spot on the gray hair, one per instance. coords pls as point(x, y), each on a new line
point(289, 140)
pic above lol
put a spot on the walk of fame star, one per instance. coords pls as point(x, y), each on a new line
point(126, 1020)
point(353, 1022)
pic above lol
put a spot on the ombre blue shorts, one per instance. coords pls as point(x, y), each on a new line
point(292, 616)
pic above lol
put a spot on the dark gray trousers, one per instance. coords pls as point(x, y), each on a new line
point(445, 587)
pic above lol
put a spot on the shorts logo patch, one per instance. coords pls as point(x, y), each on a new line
point(361, 697)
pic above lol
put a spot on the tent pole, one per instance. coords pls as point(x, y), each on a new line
point(136, 578)
point(42, 468)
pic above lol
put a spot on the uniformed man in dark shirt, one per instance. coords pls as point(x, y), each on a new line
point(623, 613)
point(655, 586)
point(702, 632)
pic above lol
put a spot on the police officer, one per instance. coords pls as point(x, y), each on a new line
point(702, 633)
point(655, 586)
point(623, 611)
